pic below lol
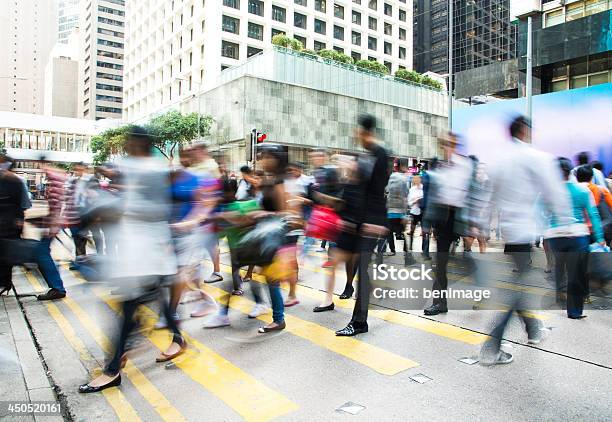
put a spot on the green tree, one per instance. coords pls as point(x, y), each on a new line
point(336, 56)
point(282, 40)
point(409, 75)
point(109, 144)
point(373, 66)
point(426, 80)
point(173, 129)
point(169, 131)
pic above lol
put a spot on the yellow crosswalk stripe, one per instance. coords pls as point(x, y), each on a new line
point(148, 391)
point(253, 400)
point(378, 359)
point(396, 317)
point(116, 399)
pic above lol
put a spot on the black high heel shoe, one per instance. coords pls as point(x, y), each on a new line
point(347, 293)
point(86, 388)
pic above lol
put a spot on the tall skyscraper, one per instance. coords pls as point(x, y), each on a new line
point(101, 72)
point(176, 48)
point(67, 18)
point(482, 33)
point(29, 31)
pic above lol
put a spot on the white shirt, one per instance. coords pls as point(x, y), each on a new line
point(453, 181)
point(414, 195)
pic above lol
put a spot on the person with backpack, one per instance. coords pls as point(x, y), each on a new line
point(397, 205)
point(602, 197)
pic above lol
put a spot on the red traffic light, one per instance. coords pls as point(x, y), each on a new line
point(261, 137)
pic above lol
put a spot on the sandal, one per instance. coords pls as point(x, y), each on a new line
point(164, 357)
point(291, 302)
point(269, 328)
point(238, 292)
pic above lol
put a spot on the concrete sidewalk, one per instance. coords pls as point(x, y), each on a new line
point(23, 374)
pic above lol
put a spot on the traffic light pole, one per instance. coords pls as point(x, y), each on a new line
point(254, 147)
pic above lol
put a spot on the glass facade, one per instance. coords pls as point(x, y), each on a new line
point(44, 140)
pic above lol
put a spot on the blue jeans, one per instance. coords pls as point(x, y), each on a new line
point(47, 266)
point(278, 305)
point(571, 261)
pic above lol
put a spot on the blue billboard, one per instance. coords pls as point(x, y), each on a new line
point(564, 124)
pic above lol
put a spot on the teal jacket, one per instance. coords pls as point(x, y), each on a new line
point(582, 200)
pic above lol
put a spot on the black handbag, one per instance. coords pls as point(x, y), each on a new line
point(259, 245)
point(19, 251)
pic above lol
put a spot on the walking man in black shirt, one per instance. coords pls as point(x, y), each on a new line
point(372, 214)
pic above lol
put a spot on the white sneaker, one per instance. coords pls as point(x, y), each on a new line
point(214, 278)
point(501, 358)
point(258, 309)
point(217, 321)
point(203, 309)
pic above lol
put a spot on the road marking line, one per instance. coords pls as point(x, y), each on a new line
point(407, 320)
point(374, 357)
point(250, 398)
point(145, 387)
point(116, 399)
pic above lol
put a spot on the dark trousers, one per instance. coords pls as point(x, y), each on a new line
point(6, 276)
point(80, 241)
point(445, 236)
point(128, 325)
point(571, 261)
point(521, 256)
point(360, 311)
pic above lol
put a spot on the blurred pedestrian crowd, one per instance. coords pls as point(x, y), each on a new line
point(145, 227)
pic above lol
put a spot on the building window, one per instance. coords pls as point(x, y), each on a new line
point(232, 3)
point(230, 49)
point(339, 49)
point(402, 53)
point(356, 56)
point(595, 6)
point(299, 20)
point(373, 4)
point(388, 66)
point(338, 11)
point(356, 19)
point(301, 2)
point(318, 45)
point(320, 6)
point(554, 17)
point(402, 34)
point(319, 26)
point(255, 31)
point(279, 14)
point(256, 7)
point(251, 51)
point(402, 15)
point(230, 24)
point(338, 32)
point(388, 28)
point(356, 38)
point(372, 23)
point(388, 10)
point(372, 43)
point(300, 39)
point(388, 48)
point(357, 1)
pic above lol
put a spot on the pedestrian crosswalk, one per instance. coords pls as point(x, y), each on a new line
point(231, 383)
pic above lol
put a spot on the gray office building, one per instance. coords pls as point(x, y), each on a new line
point(483, 34)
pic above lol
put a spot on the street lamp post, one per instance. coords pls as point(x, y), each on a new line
point(450, 65)
point(529, 81)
